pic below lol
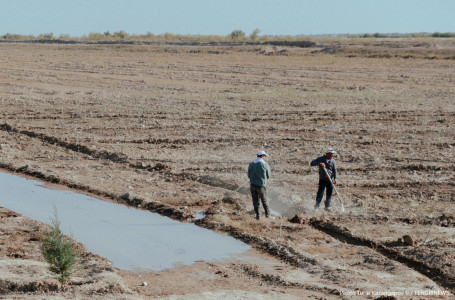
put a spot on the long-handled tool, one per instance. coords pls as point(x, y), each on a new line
point(338, 194)
point(238, 188)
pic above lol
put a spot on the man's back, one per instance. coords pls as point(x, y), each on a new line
point(259, 172)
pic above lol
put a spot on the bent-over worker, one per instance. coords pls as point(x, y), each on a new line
point(328, 163)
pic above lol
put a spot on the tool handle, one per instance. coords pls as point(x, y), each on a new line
point(338, 194)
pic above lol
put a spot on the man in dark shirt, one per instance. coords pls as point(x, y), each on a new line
point(325, 163)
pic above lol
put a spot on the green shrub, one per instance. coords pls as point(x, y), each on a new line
point(59, 251)
point(237, 34)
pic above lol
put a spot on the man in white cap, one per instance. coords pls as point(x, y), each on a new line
point(258, 173)
point(328, 163)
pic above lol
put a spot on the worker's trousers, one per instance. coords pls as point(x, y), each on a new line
point(324, 184)
point(259, 193)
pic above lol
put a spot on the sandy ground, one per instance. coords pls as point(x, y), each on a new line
point(172, 129)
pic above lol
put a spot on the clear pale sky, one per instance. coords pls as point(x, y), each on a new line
point(220, 17)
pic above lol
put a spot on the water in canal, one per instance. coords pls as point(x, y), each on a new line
point(130, 238)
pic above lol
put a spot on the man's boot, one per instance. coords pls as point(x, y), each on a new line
point(258, 214)
point(267, 211)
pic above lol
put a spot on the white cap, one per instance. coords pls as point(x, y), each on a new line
point(330, 150)
point(262, 153)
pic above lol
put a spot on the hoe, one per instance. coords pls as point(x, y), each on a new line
point(338, 194)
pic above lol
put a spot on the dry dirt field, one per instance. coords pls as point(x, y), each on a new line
point(172, 128)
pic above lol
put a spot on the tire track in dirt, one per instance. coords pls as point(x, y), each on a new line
point(442, 220)
point(344, 235)
point(296, 258)
point(277, 280)
point(282, 252)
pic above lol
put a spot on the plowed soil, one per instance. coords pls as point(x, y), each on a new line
point(171, 128)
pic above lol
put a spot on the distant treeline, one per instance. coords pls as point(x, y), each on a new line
point(445, 34)
point(401, 35)
point(237, 35)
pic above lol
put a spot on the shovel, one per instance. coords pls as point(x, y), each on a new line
point(338, 194)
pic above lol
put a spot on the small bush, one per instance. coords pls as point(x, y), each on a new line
point(59, 251)
point(120, 34)
point(237, 34)
point(254, 35)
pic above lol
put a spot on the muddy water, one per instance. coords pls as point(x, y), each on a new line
point(130, 238)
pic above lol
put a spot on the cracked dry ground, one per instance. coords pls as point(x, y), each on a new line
point(172, 128)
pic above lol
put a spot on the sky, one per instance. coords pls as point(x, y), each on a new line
point(221, 17)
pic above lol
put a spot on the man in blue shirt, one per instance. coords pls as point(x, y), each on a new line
point(328, 163)
point(258, 173)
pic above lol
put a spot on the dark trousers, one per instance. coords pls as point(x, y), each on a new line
point(259, 193)
point(323, 184)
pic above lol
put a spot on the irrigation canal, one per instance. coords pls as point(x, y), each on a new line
point(132, 239)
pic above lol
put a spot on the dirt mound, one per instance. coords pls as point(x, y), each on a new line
point(272, 50)
point(297, 220)
point(446, 220)
point(409, 240)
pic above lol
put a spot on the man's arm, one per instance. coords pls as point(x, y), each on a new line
point(315, 162)
point(268, 172)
